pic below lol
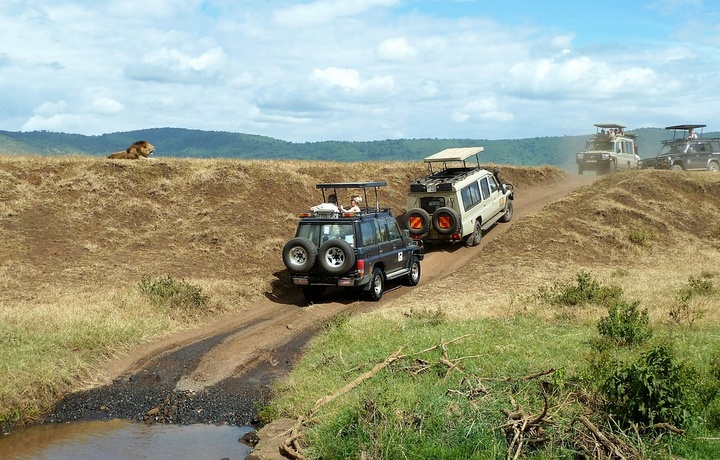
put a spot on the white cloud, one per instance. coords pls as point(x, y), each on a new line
point(332, 76)
point(325, 11)
point(396, 49)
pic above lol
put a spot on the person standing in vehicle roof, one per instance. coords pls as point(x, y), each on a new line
point(354, 205)
point(330, 206)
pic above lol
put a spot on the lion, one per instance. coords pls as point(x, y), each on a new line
point(140, 149)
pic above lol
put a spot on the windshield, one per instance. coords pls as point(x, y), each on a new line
point(670, 149)
point(599, 145)
point(320, 232)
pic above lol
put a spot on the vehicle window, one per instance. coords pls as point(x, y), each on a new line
point(493, 184)
point(715, 147)
point(343, 231)
point(367, 232)
point(599, 145)
point(309, 231)
point(470, 195)
point(393, 229)
point(381, 231)
point(701, 148)
point(432, 203)
point(485, 187)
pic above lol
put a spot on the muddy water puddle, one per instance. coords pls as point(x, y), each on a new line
point(126, 440)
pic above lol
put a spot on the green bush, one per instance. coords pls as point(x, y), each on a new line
point(625, 324)
point(169, 293)
point(586, 290)
point(653, 389)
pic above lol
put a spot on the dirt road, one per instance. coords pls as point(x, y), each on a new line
point(216, 373)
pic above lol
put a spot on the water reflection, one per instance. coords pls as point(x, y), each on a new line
point(122, 439)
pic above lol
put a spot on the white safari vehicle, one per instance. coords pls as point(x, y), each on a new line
point(611, 148)
point(457, 200)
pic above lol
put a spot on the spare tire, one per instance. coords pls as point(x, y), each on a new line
point(299, 255)
point(336, 257)
point(445, 221)
point(417, 221)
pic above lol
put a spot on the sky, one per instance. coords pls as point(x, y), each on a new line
point(359, 70)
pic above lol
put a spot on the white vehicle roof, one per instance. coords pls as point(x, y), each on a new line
point(454, 154)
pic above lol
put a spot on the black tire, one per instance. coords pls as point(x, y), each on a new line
point(440, 216)
point(676, 167)
point(417, 221)
point(377, 285)
point(299, 255)
point(474, 238)
point(313, 293)
point(612, 167)
point(713, 166)
point(336, 256)
point(413, 278)
point(580, 170)
point(507, 217)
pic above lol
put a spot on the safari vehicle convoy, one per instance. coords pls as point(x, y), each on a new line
point(609, 149)
point(350, 248)
point(686, 151)
point(457, 200)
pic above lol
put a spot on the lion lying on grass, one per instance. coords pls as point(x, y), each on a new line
point(140, 149)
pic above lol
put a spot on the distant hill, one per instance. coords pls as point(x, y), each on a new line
point(187, 143)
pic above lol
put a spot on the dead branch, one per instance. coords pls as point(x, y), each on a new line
point(667, 426)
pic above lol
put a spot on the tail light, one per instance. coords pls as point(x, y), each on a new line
point(361, 267)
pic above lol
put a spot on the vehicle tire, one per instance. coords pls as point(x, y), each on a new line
point(413, 278)
point(507, 217)
point(417, 221)
point(299, 255)
point(336, 256)
point(313, 293)
point(377, 285)
point(445, 221)
point(676, 167)
point(580, 170)
point(474, 238)
point(713, 166)
point(612, 167)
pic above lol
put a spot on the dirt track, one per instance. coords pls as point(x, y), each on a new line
point(216, 373)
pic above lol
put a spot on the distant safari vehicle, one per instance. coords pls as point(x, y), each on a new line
point(457, 200)
point(609, 149)
point(686, 151)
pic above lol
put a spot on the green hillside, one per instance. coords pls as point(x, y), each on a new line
point(186, 143)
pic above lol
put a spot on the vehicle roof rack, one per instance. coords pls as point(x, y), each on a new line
point(334, 186)
point(685, 127)
point(609, 125)
point(454, 154)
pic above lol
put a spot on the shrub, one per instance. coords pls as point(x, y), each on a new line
point(169, 293)
point(586, 290)
point(685, 311)
point(625, 324)
point(654, 389)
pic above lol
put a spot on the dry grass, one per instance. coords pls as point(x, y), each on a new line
point(593, 230)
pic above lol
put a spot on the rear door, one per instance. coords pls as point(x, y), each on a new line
point(391, 244)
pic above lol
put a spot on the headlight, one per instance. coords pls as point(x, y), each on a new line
point(605, 156)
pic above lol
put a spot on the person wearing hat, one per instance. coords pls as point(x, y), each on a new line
point(354, 205)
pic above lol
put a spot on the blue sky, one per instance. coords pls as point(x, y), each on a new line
point(358, 70)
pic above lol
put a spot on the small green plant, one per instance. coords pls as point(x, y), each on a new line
point(427, 316)
point(626, 325)
point(652, 390)
point(586, 290)
point(684, 312)
point(173, 294)
point(639, 238)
